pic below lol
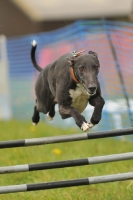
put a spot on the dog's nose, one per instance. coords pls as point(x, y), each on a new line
point(92, 89)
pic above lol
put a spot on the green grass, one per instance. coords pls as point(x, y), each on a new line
point(72, 150)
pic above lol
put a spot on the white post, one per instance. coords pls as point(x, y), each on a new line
point(5, 106)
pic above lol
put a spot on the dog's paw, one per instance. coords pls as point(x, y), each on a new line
point(34, 124)
point(91, 125)
point(34, 43)
point(85, 126)
point(49, 117)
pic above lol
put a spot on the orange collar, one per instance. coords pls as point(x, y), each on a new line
point(73, 75)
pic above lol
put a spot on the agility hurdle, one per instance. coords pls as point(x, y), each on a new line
point(65, 138)
point(66, 163)
point(66, 183)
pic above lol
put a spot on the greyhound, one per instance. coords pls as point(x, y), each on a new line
point(71, 82)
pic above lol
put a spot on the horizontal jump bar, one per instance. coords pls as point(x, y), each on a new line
point(66, 183)
point(65, 138)
point(66, 163)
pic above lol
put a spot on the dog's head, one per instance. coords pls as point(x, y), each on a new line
point(86, 68)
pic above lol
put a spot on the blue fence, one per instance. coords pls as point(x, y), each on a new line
point(113, 41)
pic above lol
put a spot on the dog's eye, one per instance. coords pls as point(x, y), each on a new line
point(95, 67)
point(82, 68)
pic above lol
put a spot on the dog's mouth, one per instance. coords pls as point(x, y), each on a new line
point(91, 93)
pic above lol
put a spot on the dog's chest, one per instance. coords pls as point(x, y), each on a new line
point(79, 98)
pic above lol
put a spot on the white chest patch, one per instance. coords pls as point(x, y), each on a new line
point(79, 98)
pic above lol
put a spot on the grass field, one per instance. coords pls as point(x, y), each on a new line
point(54, 152)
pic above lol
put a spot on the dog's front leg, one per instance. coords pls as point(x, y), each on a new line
point(73, 112)
point(98, 103)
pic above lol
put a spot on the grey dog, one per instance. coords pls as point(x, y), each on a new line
point(71, 82)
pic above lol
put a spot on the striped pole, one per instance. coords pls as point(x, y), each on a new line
point(66, 183)
point(65, 138)
point(66, 163)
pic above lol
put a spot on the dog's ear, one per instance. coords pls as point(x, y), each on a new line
point(93, 53)
point(71, 61)
point(96, 55)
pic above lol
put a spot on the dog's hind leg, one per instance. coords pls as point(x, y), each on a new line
point(35, 117)
point(51, 113)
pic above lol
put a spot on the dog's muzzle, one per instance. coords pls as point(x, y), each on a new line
point(91, 90)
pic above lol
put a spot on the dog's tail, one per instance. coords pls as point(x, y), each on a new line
point(33, 50)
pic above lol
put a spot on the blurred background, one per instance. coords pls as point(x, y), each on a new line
point(61, 26)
